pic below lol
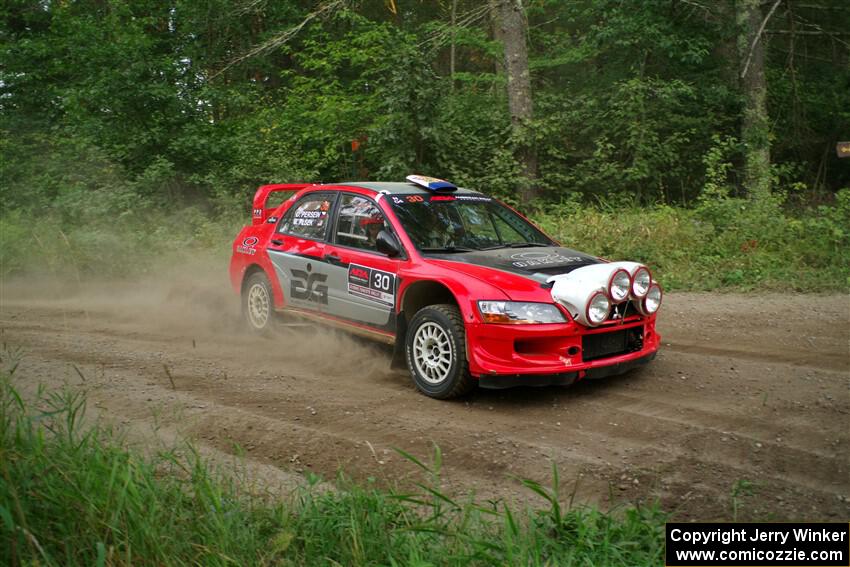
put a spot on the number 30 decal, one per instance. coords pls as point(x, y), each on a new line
point(369, 283)
point(382, 281)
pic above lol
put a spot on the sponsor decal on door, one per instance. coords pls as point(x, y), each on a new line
point(309, 286)
point(371, 284)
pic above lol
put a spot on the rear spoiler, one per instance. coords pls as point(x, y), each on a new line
point(260, 210)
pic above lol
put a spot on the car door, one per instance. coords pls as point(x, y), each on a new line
point(362, 282)
point(297, 250)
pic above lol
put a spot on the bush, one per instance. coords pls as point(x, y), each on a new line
point(725, 243)
point(730, 244)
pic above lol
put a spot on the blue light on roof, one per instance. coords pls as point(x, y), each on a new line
point(432, 183)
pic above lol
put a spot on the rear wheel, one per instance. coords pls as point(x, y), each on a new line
point(257, 306)
point(435, 349)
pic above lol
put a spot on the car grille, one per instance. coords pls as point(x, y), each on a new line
point(603, 345)
point(622, 311)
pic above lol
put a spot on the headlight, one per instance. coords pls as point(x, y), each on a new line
point(619, 286)
point(598, 308)
point(652, 301)
point(641, 282)
point(514, 312)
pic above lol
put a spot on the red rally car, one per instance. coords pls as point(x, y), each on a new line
point(466, 289)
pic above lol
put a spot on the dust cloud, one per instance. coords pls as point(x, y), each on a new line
point(192, 301)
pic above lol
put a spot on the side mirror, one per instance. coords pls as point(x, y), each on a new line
point(386, 243)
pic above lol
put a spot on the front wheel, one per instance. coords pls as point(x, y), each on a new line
point(257, 308)
point(435, 349)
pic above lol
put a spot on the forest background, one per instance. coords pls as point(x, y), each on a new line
point(698, 136)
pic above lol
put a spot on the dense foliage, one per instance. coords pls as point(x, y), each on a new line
point(117, 110)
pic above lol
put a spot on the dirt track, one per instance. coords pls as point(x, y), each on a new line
point(749, 391)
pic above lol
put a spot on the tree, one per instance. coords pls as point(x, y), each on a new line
point(755, 124)
point(520, 104)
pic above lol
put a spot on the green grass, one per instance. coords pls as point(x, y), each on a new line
point(113, 247)
point(71, 493)
point(722, 244)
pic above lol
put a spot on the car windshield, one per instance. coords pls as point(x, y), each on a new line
point(459, 223)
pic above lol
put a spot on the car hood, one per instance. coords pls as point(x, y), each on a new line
point(517, 271)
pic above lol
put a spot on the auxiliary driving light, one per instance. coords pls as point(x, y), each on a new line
point(598, 308)
point(619, 286)
point(641, 282)
point(652, 301)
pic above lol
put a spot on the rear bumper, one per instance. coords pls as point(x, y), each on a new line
point(557, 354)
point(563, 379)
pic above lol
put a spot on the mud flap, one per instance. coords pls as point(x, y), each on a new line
point(399, 360)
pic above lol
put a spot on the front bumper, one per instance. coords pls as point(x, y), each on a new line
point(557, 353)
point(563, 379)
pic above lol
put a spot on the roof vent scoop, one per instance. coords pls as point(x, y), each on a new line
point(431, 183)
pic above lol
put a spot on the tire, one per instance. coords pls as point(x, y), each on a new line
point(258, 303)
point(435, 351)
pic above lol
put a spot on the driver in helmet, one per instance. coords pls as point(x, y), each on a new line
point(372, 225)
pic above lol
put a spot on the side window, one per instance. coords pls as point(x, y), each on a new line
point(359, 222)
point(308, 218)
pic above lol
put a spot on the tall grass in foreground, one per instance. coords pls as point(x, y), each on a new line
point(71, 494)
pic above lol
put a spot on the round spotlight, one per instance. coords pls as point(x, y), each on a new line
point(652, 301)
point(598, 308)
point(641, 282)
point(619, 285)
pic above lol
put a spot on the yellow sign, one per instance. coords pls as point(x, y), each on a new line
point(843, 149)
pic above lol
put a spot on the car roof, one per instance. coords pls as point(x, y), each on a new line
point(397, 187)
